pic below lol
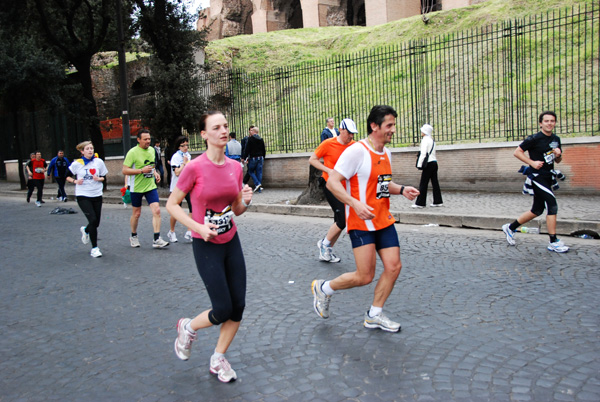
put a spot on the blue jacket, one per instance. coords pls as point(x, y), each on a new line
point(327, 134)
point(59, 168)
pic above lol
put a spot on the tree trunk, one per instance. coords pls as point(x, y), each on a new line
point(313, 194)
point(85, 78)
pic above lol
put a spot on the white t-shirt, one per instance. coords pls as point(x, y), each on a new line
point(90, 187)
point(176, 161)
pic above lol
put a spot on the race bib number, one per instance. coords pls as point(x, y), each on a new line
point(223, 219)
point(383, 186)
point(549, 157)
point(39, 170)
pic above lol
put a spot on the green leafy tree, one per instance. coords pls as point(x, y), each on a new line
point(76, 30)
point(30, 76)
point(169, 29)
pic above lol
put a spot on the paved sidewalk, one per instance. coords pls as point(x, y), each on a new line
point(476, 210)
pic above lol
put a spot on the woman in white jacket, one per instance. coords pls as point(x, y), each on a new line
point(430, 171)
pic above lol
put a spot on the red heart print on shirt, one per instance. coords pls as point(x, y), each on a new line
point(93, 171)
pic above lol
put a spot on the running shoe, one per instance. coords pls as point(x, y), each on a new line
point(436, 205)
point(135, 242)
point(28, 198)
point(59, 199)
point(188, 235)
point(417, 206)
point(85, 237)
point(558, 246)
point(96, 252)
point(160, 243)
point(183, 343)
point(321, 300)
point(172, 237)
point(382, 322)
point(333, 257)
point(221, 367)
point(38, 204)
point(65, 199)
point(323, 251)
point(258, 188)
point(510, 235)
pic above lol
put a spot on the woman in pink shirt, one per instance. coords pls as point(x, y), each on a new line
point(217, 194)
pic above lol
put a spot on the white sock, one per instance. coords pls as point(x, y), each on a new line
point(326, 242)
point(188, 328)
point(375, 311)
point(327, 289)
point(216, 355)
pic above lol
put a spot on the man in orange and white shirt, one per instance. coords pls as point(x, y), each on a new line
point(330, 150)
point(366, 168)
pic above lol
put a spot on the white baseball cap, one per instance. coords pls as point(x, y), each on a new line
point(348, 124)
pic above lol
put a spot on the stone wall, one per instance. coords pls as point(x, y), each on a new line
point(472, 167)
point(227, 18)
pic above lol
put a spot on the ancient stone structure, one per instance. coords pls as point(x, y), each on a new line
point(227, 18)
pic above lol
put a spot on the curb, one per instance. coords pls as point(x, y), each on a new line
point(565, 227)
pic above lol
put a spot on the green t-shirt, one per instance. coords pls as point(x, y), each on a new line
point(137, 158)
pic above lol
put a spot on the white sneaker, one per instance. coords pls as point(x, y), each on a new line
point(183, 342)
point(510, 235)
point(160, 243)
point(38, 204)
point(172, 237)
point(135, 242)
point(96, 252)
point(188, 235)
point(417, 206)
point(558, 246)
point(85, 237)
point(436, 205)
point(221, 367)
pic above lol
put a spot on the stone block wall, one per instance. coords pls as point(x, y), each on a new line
point(471, 167)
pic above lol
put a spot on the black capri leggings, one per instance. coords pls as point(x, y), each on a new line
point(223, 270)
point(92, 209)
point(338, 207)
point(543, 197)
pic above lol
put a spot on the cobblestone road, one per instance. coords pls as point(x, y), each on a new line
point(480, 320)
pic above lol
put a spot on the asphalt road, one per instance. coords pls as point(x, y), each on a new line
point(480, 320)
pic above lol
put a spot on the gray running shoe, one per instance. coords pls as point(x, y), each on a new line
point(323, 251)
point(382, 322)
point(510, 235)
point(135, 242)
point(85, 237)
point(183, 343)
point(221, 367)
point(160, 243)
point(321, 300)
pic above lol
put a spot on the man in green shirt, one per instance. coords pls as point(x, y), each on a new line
point(140, 163)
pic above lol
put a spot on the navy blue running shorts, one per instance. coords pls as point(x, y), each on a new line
point(383, 238)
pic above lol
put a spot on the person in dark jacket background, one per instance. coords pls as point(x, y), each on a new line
point(254, 155)
point(330, 131)
point(59, 169)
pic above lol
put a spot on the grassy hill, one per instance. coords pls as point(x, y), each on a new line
point(294, 46)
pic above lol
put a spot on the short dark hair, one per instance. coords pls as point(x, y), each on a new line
point(232, 134)
point(180, 140)
point(202, 123)
point(250, 128)
point(377, 115)
point(142, 131)
point(545, 112)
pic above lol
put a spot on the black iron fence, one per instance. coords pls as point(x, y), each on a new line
point(482, 85)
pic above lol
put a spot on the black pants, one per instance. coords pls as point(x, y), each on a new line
point(92, 209)
point(35, 183)
point(429, 173)
point(60, 181)
point(223, 271)
point(338, 207)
